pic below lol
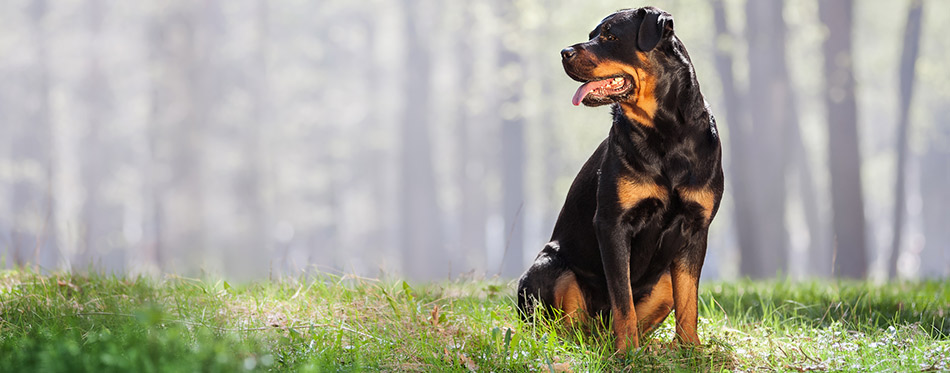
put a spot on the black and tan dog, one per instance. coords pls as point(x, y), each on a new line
point(631, 237)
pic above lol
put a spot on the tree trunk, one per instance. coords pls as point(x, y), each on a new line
point(423, 256)
point(847, 201)
point(552, 150)
point(181, 102)
point(152, 191)
point(908, 60)
point(819, 256)
point(99, 217)
point(512, 157)
point(769, 92)
point(34, 234)
point(934, 178)
point(251, 242)
point(470, 170)
point(737, 126)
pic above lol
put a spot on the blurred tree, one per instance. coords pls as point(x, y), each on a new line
point(511, 68)
point(911, 47)
point(423, 254)
point(740, 166)
point(34, 235)
point(469, 172)
point(552, 141)
point(158, 96)
point(758, 168)
point(819, 254)
point(99, 217)
point(254, 218)
point(934, 179)
point(768, 102)
point(850, 259)
point(367, 164)
point(182, 99)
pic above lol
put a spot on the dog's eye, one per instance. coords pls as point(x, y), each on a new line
point(608, 37)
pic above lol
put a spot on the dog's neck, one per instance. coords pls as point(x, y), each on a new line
point(667, 97)
point(669, 112)
point(681, 112)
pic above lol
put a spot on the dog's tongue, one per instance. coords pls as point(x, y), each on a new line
point(586, 88)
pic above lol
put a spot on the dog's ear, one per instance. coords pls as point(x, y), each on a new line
point(655, 25)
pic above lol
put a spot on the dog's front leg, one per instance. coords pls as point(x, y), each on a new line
point(684, 272)
point(614, 244)
point(624, 207)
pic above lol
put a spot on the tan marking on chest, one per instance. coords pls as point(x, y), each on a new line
point(704, 197)
point(630, 192)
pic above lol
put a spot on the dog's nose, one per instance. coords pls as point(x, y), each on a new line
point(568, 53)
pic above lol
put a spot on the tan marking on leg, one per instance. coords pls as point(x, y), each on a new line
point(685, 296)
point(568, 298)
point(630, 192)
point(653, 309)
point(625, 327)
point(702, 196)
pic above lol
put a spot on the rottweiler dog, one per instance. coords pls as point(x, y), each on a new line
point(631, 238)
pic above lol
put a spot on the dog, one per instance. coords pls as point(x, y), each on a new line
point(630, 239)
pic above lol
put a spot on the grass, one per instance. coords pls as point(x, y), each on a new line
point(62, 322)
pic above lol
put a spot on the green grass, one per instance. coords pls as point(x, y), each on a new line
point(99, 323)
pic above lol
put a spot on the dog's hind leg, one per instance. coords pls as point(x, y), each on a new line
point(550, 284)
point(569, 298)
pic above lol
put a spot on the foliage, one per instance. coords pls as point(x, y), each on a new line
point(66, 322)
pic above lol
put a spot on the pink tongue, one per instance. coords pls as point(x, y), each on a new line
point(585, 89)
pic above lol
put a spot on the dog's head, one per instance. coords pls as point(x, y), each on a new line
point(621, 63)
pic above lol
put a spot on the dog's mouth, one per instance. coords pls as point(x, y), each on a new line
point(599, 92)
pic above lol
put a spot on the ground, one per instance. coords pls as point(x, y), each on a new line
point(62, 322)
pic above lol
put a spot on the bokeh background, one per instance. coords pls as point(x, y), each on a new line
point(431, 139)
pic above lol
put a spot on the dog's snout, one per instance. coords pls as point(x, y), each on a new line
point(568, 53)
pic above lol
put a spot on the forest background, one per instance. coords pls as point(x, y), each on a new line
point(429, 139)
